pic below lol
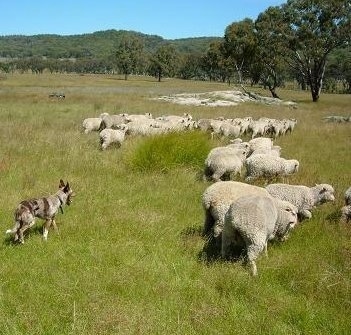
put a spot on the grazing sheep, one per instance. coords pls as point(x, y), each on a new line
point(268, 166)
point(303, 197)
point(109, 136)
point(229, 129)
point(348, 196)
point(138, 117)
point(253, 220)
point(346, 210)
point(91, 124)
point(262, 143)
point(275, 151)
point(218, 197)
point(224, 161)
point(113, 121)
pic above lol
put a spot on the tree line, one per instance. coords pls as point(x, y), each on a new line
point(304, 40)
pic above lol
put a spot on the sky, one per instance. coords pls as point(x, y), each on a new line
point(168, 19)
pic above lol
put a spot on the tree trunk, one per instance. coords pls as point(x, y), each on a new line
point(273, 92)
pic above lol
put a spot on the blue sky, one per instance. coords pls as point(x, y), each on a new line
point(169, 19)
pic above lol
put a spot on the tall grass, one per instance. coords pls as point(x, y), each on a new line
point(129, 258)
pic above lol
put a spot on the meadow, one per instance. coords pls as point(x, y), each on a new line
point(129, 257)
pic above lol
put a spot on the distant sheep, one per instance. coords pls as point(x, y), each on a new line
point(268, 166)
point(253, 220)
point(216, 200)
point(305, 198)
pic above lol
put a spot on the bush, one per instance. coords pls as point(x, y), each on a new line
point(162, 153)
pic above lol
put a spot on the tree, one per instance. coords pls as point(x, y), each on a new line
point(164, 61)
point(239, 46)
point(129, 54)
point(311, 29)
point(269, 53)
point(213, 62)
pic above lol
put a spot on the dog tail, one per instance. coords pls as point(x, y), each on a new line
point(14, 229)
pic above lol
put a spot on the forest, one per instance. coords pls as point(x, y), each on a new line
point(302, 41)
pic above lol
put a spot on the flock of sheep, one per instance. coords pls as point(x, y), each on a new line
point(114, 128)
point(237, 214)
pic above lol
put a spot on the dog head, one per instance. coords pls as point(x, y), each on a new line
point(65, 188)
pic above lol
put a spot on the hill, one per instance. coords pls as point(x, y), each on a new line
point(95, 45)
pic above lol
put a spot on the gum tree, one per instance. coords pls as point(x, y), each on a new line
point(311, 29)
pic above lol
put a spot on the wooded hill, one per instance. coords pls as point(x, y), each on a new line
point(95, 45)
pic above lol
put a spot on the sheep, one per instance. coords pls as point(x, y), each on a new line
point(223, 161)
point(109, 136)
point(229, 129)
point(348, 196)
point(91, 124)
point(253, 220)
point(138, 117)
point(268, 166)
point(142, 128)
point(113, 121)
point(275, 151)
point(346, 210)
point(303, 197)
point(216, 200)
point(261, 143)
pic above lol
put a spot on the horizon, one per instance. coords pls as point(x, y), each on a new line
point(176, 20)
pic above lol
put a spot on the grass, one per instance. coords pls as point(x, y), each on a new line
point(129, 256)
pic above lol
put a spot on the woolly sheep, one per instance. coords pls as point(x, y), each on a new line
point(253, 220)
point(138, 117)
point(348, 196)
point(229, 129)
point(257, 143)
point(346, 210)
point(223, 161)
point(303, 197)
point(113, 121)
point(269, 166)
point(109, 136)
point(275, 151)
point(216, 200)
point(91, 124)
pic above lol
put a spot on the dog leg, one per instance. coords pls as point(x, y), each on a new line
point(14, 229)
point(46, 227)
point(53, 222)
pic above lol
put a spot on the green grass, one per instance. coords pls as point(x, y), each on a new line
point(129, 258)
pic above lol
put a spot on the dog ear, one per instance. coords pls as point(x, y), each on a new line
point(66, 188)
point(62, 183)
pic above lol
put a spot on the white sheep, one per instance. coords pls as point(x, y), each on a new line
point(113, 121)
point(223, 162)
point(109, 136)
point(261, 143)
point(91, 124)
point(268, 166)
point(346, 210)
point(228, 129)
point(216, 200)
point(252, 220)
point(348, 196)
point(138, 117)
point(303, 197)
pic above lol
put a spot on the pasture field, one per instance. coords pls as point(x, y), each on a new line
point(129, 257)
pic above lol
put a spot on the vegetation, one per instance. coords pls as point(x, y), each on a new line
point(130, 258)
point(308, 41)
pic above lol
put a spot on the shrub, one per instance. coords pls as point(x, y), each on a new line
point(164, 152)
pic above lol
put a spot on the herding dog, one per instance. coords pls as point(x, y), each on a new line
point(44, 208)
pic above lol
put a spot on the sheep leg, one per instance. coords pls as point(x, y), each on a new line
point(253, 250)
point(307, 214)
